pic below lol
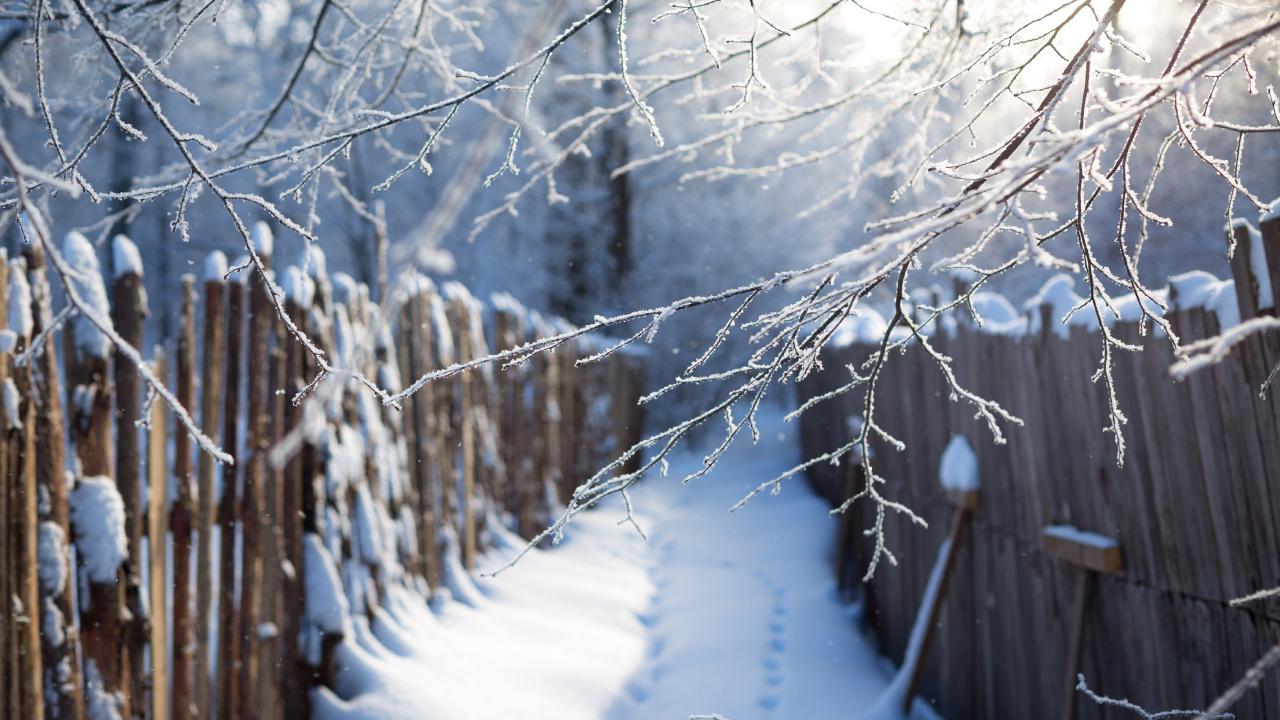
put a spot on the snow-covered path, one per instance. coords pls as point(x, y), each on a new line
point(716, 613)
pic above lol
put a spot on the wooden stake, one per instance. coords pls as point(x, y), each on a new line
point(229, 635)
point(959, 521)
point(462, 334)
point(67, 698)
point(158, 544)
point(1084, 578)
point(210, 399)
point(128, 314)
point(183, 511)
point(22, 448)
point(252, 521)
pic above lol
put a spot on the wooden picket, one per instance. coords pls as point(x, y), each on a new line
point(1194, 508)
point(461, 453)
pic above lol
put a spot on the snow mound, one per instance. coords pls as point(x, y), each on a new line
point(998, 315)
point(97, 516)
point(125, 258)
point(21, 320)
point(86, 280)
point(959, 469)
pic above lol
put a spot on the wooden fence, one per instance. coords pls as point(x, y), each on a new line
point(190, 578)
point(1194, 508)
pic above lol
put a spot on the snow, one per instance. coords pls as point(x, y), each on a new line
point(998, 315)
point(8, 341)
point(346, 291)
point(367, 527)
point(1126, 305)
point(735, 614)
point(12, 404)
point(864, 326)
point(298, 288)
point(327, 605)
point(125, 258)
point(313, 261)
point(262, 240)
point(52, 553)
point(215, 267)
point(87, 282)
point(97, 516)
point(52, 623)
point(959, 470)
point(21, 320)
point(99, 704)
point(1200, 289)
point(441, 331)
point(1059, 294)
point(1272, 213)
point(1073, 534)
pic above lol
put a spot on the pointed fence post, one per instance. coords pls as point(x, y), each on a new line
point(230, 674)
point(89, 399)
point(158, 542)
point(128, 314)
point(66, 699)
point(210, 401)
point(183, 512)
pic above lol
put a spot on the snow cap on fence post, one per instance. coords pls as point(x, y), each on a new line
point(87, 283)
point(958, 472)
point(21, 321)
point(262, 239)
point(125, 258)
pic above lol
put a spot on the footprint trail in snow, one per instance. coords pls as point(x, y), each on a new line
point(731, 614)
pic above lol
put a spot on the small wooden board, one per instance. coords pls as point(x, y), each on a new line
point(1088, 550)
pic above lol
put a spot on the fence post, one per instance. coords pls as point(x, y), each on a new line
point(461, 318)
point(50, 454)
point(1239, 233)
point(10, 570)
point(157, 543)
point(229, 666)
point(1269, 226)
point(128, 313)
point(88, 386)
point(22, 639)
point(25, 524)
point(183, 510)
point(256, 443)
point(210, 391)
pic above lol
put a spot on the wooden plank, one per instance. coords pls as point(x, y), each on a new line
point(254, 531)
point(68, 698)
point(25, 525)
point(1085, 549)
point(1237, 233)
point(128, 314)
point(184, 700)
point(210, 402)
point(1270, 230)
point(158, 543)
point(89, 401)
point(230, 674)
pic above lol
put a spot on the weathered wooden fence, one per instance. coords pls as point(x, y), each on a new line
point(192, 586)
point(1194, 508)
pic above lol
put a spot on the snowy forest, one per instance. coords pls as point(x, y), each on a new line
point(375, 338)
